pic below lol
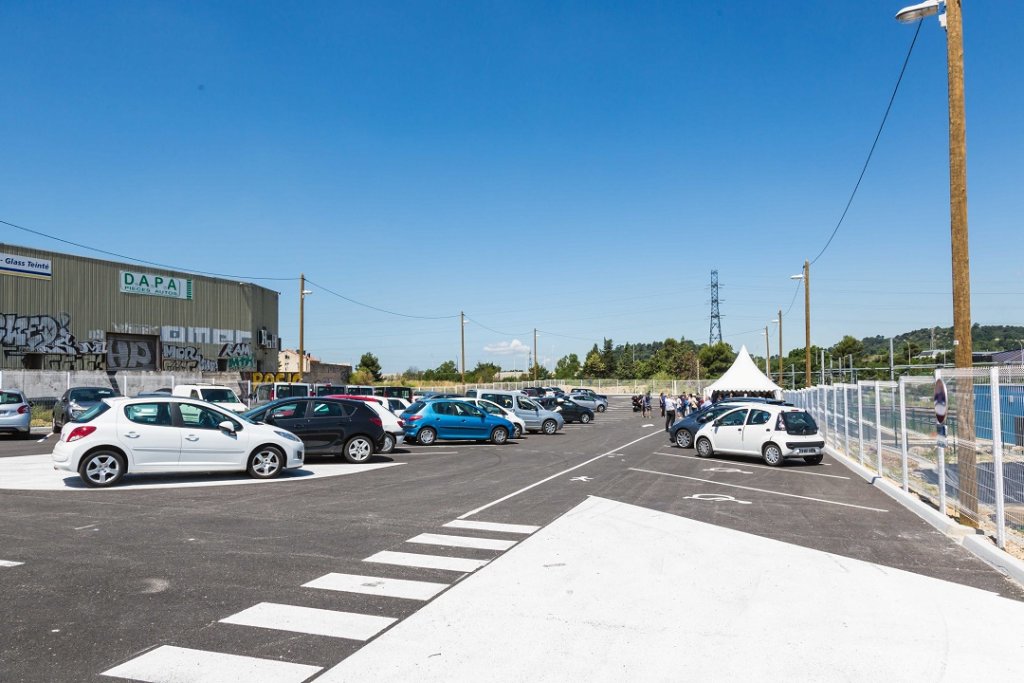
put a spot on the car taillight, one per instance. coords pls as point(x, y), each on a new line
point(377, 421)
point(22, 409)
point(401, 423)
point(414, 418)
point(79, 433)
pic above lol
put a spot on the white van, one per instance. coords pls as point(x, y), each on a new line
point(223, 396)
point(536, 418)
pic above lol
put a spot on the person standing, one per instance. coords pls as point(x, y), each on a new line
point(670, 411)
point(647, 404)
point(662, 401)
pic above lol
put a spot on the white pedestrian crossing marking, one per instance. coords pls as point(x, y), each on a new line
point(463, 541)
point(456, 564)
point(169, 664)
point(375, 585)
point(492, 526)
point(10, 563)
point(319, 622)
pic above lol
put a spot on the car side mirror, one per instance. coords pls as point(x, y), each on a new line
point(718, 423)
point(227, 426)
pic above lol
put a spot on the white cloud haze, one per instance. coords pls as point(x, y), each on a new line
point(504, 348)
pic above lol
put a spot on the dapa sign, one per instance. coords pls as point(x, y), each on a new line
point(155, 285)
point(25, 266)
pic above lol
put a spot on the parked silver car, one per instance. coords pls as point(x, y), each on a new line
point(15, 413)
point(537, 419)
point(592, 401)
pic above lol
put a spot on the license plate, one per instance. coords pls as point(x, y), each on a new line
point(807, 450)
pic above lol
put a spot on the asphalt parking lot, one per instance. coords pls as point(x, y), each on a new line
point(293, 577)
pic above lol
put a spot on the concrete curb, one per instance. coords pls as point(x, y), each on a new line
point(975, 542)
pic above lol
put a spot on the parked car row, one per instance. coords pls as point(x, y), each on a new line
point(769, 430)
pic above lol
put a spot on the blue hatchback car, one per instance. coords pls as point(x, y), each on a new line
point(427, 421)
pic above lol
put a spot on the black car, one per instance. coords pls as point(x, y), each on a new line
point(334, 426)
point(570, 410)
point(76, 401)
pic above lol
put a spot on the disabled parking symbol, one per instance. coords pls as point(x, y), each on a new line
point(717, 498)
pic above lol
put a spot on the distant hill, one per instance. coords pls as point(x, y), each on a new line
point(985, 337)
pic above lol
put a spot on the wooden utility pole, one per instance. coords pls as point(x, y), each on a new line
point(963, 348)
point(535, 360)
point(302, 321)
point(781, 380)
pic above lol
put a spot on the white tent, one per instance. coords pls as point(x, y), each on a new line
point(743, 377)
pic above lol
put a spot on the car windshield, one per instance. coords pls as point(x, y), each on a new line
point(9, 397)
point(92, 412)
point(90, 395)
point(219, 396)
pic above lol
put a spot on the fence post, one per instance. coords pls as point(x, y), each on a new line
point(940, 457)
point(878, 424)
point(860, 424)
point(846, 421)
point(997, 458)
point(835, 417)
point(69, 380)
point(904, 450)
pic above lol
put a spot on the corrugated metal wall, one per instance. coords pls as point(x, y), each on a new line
point(81, 319)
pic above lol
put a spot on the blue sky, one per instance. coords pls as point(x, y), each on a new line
point(577, 167)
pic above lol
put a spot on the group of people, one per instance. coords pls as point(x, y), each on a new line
point(672, 407)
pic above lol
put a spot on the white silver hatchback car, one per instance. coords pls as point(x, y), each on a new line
point(172, 434)
point(771, 432)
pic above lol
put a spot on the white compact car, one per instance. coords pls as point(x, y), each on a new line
point(172, 434)
point(223, 396)
point(771, 432)
point(518, 423)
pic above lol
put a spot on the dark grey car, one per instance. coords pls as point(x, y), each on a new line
point(76, 401)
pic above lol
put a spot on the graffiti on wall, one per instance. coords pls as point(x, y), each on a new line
point(175, 334)
point(261, 377)
point(126, 352)
point(43, 334)
point(186, 357)
point(238, 356)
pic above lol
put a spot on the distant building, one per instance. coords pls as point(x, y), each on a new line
point(314, 370)
point(288, 361)
point(64, 312)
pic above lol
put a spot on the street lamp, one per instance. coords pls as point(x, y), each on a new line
point(806, 277)
point(962, 346)
point(303, 293)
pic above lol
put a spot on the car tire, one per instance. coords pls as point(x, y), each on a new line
point(584, 418)
point(426, 436)
point(56, 427)
point(387, 443)
point(600, 408)
point(772, 455)
point(358, 449)
point(684, 439)
point(266, 462)
point(517, 432)
point(499, 436)
point(813, 459)
point(704, 448)
point(102, 468)
point(549, 426)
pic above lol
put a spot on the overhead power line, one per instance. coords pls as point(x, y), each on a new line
point(874, 144)
point(376, 308)
point(148, 263)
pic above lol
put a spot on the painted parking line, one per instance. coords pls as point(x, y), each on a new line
point(463, 541)
point(553, 476)
point(492, 526)
point(750, 464)
point(311, 620)
point(10, 563)
point(169, 664)
point(751, 488)
point(455, 564)
point(375, 585)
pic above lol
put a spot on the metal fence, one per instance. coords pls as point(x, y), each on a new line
point(975, 473)
point(618, 387)
point(46, 386)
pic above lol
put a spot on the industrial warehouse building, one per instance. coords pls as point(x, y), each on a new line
point(64, 312)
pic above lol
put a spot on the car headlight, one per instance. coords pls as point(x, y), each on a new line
point(287, 435)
